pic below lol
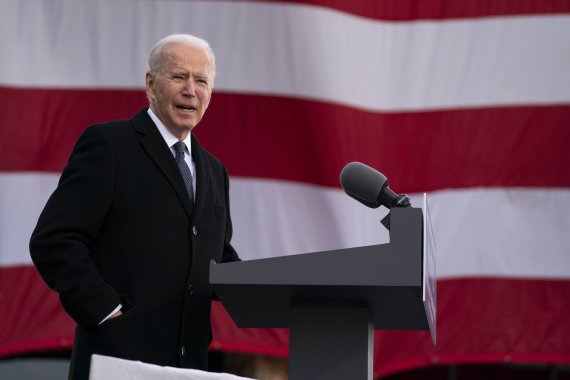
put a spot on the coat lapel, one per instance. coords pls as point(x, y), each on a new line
point(202, 180)
point(156, 147)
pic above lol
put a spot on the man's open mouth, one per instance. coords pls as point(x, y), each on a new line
point(186, 108)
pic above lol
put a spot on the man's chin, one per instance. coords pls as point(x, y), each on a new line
point(186, 122)
point(186, 126)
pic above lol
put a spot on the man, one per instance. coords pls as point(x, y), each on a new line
point(140, 210)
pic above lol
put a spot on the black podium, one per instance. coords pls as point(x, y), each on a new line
point(332, 301)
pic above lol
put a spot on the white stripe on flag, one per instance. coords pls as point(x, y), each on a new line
point(295, 50)
point(479, 232)
point(22, 198)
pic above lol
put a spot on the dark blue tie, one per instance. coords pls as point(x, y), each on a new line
point(184, 169)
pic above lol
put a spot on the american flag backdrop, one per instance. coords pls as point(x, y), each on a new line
point(468, 101)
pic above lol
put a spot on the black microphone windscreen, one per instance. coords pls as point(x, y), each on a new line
point(363, 183)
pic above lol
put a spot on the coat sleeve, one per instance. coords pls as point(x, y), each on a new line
point(68, 225)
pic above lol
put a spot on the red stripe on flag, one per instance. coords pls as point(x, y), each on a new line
point(407, 10)
point(479, 320)
point(310, 141)
point(31, 317)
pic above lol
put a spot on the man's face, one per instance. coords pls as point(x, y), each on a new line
point(181, 89)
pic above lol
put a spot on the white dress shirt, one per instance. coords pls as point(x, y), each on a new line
point(171, 140)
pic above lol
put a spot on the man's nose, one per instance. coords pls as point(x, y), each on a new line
point(189, 88)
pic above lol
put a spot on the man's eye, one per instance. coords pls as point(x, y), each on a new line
point(178, 77)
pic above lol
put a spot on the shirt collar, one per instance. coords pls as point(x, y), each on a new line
point(167, 136)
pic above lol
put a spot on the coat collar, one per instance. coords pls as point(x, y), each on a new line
point(155, 146)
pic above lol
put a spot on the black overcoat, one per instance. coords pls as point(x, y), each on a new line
point(120, 228)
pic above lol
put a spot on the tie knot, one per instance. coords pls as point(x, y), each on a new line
point(179, 147)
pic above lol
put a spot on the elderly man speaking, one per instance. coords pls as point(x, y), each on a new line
point(140, 210)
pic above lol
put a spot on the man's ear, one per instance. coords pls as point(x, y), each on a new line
point(149, 86)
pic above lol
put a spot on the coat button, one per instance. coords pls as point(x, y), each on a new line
point(190, 289)
point(195, 230)
point(182, 351)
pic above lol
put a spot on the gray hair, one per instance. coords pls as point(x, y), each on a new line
point(155, 55)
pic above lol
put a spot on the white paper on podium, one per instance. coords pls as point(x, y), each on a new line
point(106, 367)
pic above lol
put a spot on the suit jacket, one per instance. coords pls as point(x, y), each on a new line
point(120, 228)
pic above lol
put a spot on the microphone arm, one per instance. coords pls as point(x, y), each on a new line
point(392, 199)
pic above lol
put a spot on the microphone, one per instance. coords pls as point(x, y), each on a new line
point(370, 187)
